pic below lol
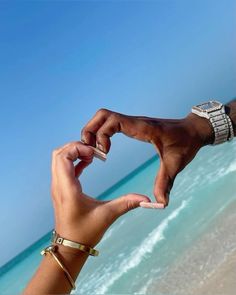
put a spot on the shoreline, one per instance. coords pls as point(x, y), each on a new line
point(9, 264)
point(209, 266)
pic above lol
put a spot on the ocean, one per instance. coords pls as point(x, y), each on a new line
point(170, 251)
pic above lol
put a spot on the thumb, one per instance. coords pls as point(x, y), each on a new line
point(163, 185)
point(126, 203)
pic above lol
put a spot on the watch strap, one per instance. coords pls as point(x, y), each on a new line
point(220, 121)
point(220, 125)
point(231, 128)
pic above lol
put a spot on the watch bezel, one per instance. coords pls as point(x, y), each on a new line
point(199, 108)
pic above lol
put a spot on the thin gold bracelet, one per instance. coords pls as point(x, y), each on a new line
point(51, 250)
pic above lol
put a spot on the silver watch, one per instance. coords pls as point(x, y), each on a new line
point(221, 123)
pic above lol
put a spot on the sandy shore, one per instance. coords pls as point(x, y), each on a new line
point(223, 281)
point(209, 267)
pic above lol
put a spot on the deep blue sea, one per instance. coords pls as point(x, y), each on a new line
point(156, 251)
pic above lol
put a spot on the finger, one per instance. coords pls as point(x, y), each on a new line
point(126, 203)
point(88, 133)
point(77, 150)
point(81, 166)
point(63, 158)
point(106, 123)
point(163, 185)
point(89, 138)
point(107, 130)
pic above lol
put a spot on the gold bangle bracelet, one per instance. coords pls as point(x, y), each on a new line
point(56, 239)
point(51, 250)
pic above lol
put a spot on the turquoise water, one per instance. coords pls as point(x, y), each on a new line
point(145, 246)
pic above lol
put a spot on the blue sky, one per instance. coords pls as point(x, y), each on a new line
point(62, 61)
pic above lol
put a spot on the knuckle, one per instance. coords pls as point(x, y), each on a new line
point(54, 194)
point(55, 152)
point(114, 117)
point(130, 206)
point(84, 130)
point(73, 144)
point(52, 191)
point(100, 134)
point(103, 111)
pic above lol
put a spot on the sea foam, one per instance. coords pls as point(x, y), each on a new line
point(137, 255)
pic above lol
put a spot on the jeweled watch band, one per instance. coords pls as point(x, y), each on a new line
point(231, 128)
point(214, 111)
point(220, 125)
point(56, 239)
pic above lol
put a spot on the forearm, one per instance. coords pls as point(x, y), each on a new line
point(231, 111)
point(50, 278)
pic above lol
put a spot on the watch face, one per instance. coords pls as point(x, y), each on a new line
point(209, 106)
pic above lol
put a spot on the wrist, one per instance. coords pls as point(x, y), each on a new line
point(50, 278)
point(59, 282)
point(72, 259)
point(201, 128)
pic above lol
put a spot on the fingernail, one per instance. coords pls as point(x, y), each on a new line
point(83, 140)
point(150, 205)
point(100, 147)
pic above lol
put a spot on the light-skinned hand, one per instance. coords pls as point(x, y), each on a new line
point(79, 217)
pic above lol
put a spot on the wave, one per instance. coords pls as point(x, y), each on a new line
point(144, 248)
point(223, 171)
point(231, 168)
point(109, 233)
point(144, 288)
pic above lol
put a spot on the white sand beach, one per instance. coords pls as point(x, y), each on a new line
point(223, 281)
point(209, 267)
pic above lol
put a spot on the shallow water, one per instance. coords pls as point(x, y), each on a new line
point(143, 248)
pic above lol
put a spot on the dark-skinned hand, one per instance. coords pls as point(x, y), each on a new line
point(176, 141)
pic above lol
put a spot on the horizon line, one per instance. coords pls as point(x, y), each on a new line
point(27, 251)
